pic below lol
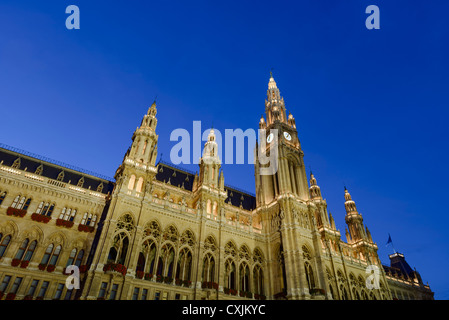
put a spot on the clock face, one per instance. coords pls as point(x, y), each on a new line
point(287, 136)
point(270, 138)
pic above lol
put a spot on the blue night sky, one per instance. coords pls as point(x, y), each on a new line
point(370, 105)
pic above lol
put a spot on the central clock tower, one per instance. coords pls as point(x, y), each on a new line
point(282, 139)
point(284, 206)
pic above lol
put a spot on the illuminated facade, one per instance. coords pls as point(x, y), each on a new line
point(161, 232)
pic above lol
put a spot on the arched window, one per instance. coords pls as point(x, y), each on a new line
point(309, 275)
point(230, 274)
point(27, 204)
point(184, 265)
point(89, 219)
point(258, 279)
point(119, 249)
point(45, 208)
point(112, 256)
point(208, 208)
point(140, 262)
point(331, 290)
point(26, 250)
point(364, 295)
point(40, 207)
point(2, 196)
point(208, 273)
point(308, 267)
point(55, 256)
point(22, 249)
point(67, 214)
point(244, 277)
point(71, 258)
point(166, 259)
point(79, 258)
point(344, 293)
point(21, 203)
point(94, 219)
point(132, 180)
point(51, 255)
point(215, 208)
point(139, 185)
point(149, 256)
point(4, 244)
point(355, 294)
point(15, 202)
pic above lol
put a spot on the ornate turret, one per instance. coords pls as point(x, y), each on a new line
point(144, 146)
point(138, 166)
point(291, 121)
point(314, 190)
point(353, 219)
point(210, 163)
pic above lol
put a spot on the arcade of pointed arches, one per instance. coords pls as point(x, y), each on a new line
point(165, 252)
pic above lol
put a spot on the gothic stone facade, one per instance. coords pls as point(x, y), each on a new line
point(161, 232)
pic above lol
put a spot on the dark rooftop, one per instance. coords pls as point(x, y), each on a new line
point(51, 169)
point(183, 178)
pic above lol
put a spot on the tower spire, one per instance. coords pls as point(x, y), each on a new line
point(142, 154)
point(274, 105)
point(353, 219)
point(144, 146)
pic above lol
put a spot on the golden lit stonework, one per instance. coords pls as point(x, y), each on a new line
point(157, 231)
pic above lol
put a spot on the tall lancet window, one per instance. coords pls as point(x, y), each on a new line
point(132, 180)
point(139, 185)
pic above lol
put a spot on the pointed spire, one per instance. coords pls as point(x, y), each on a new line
point(271, 82)
point(291, 121)
point(332, 221)
point(368, 234)
point(347, 195)
point(274, 105)
point(152, 110)
point(221, 180)
point(195, 182)
point(348, 235)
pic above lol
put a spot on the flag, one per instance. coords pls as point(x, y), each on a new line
point(389, 240)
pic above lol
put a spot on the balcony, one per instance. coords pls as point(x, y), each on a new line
point(115, 268)
point(64, 223)
point(16, 212)
point(40, 218)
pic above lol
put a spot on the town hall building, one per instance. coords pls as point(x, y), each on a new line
point(160, 232)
